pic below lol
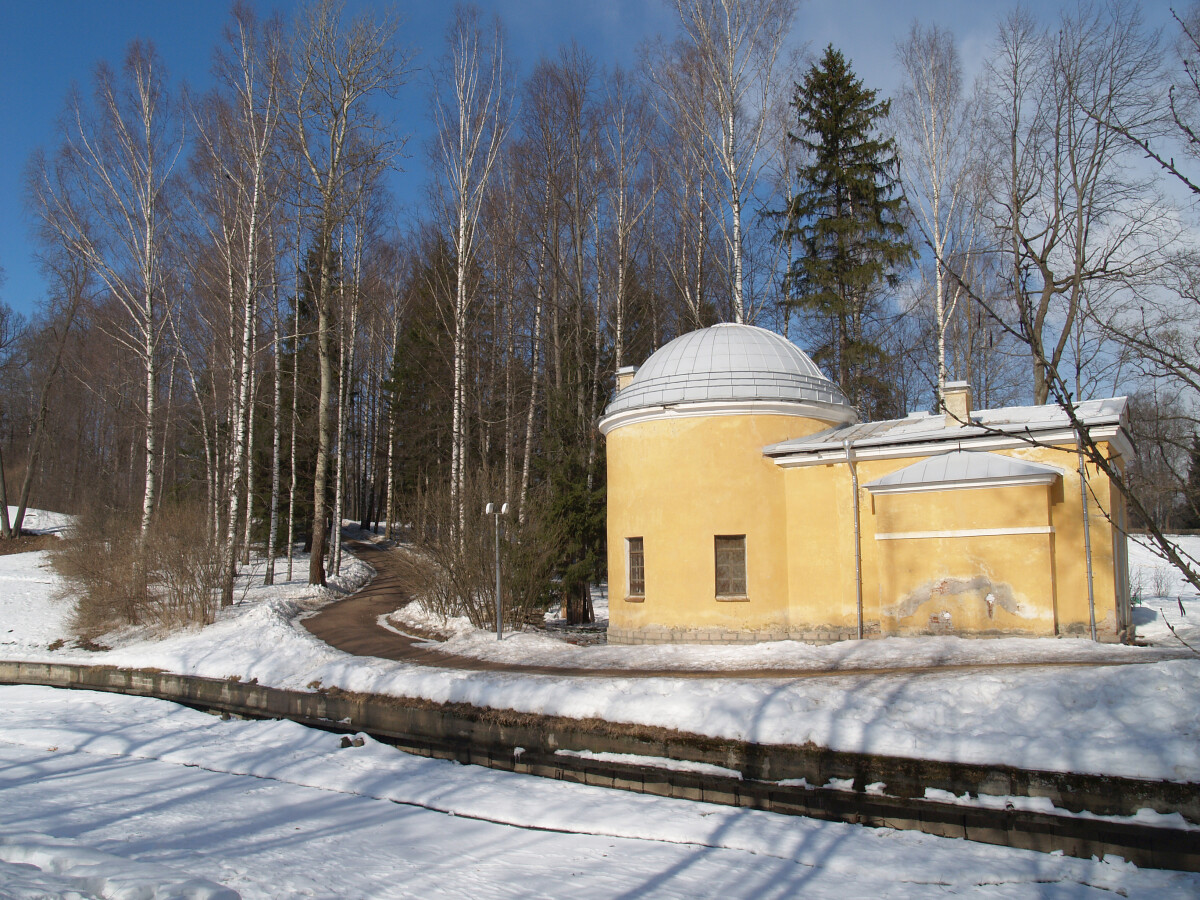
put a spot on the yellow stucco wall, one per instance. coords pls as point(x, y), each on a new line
point(1036, 583)
point(956, 583)
point(820, 548)
point(678, 482)
point(1070, 568)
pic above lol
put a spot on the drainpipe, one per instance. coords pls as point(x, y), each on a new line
point(849, 447)
point(1087, 541)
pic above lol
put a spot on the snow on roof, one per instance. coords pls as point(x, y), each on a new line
point(925, 427)
point(727, 363)
point(963, 469)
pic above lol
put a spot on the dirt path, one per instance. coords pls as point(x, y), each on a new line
point(352, 625)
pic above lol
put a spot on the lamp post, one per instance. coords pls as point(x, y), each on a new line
point(496, 510)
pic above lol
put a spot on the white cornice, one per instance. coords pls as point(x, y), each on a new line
point(830, 413)
point(963, 533)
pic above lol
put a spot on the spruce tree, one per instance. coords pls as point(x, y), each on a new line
point(846, 220)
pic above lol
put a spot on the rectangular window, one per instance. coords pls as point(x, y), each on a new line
point(637, 567)
point(731, 565)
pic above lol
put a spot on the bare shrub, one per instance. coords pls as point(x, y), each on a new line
point(1137, 587)
point(1160, 580)
point(460, 577)
point(529, 561)
point(118, 577)
point(100, 558)
point(185, 566)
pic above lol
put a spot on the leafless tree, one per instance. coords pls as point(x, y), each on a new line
point(338, 70)
point(471, 114)
point(682, 174)
point(1076, 221)
point(1158, 324)
point(540, 157)
point(936, 124)
point(10, 328)
point(73, 288)
point(107, 195)
point(738, 44)
point(277, 326)
point(237, 131)
point(626, 131)
point(1072, 214)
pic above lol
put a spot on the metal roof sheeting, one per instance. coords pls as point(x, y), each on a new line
point(726, 363)
point(964, 468)
point(925, 427)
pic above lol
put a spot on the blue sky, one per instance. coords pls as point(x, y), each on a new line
point(50, 44)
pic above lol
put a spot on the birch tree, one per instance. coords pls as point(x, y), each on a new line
point(934, 137)
point(738, 43)
point(338, 71)
point(540, 157)
point(239, 138)
point(683, 175)
point(276, 419)
point(626, 131)
point(470, 112)
point(107, 195)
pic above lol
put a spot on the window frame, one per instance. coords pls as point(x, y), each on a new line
point(730, 594)
point(634, 596)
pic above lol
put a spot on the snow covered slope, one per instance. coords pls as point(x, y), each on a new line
point(273, 810)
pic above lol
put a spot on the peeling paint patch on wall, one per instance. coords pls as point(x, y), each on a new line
point(978, 591)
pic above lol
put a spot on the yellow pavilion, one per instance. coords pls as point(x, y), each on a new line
point(747, 503)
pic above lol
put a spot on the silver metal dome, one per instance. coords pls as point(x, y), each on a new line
point(730, 363)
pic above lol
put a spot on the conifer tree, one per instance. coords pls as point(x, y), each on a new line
point(1190, 517)
point(846, 220)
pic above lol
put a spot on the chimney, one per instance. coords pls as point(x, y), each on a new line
point(956, 403)
point(624, 376)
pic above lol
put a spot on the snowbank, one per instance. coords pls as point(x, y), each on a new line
point(272, 809)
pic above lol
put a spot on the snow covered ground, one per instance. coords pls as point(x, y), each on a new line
point(110, 796)
point(40, 521)
point(1165, 595)
point(1138, 720)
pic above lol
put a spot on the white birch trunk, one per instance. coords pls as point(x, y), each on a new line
point(390, 506)
point(291, 512)
point(276, 401)
point(253, 393)
point(592, 432)
point(534, 370)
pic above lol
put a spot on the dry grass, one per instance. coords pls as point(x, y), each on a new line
point(28, 543)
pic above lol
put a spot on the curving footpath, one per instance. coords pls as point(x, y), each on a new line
point(352, 625)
